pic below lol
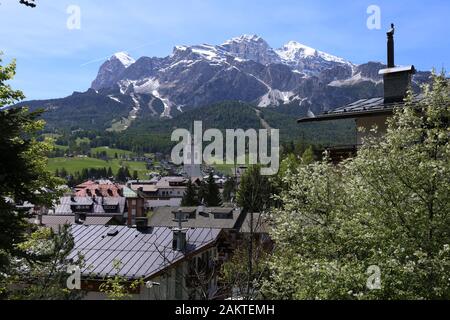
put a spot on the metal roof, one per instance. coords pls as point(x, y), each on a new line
point(164, 216)
point(397, 69)
point(141, 253)
point(50, 220)
point(145, 187)
point(129, 193)
point(359, 108)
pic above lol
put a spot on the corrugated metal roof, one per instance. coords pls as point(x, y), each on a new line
point(141, 253)
point(362, 107)
point(61, 220)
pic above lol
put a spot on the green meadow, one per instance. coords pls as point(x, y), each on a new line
point(111, 152)
point(75, 164)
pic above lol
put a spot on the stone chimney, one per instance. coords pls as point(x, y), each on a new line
point(396, 80)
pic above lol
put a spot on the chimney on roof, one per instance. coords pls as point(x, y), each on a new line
point(396, 80)
point(390, 47)
point(179, 233)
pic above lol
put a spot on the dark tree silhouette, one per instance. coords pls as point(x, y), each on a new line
point(211, 193)
point(28, 3)
point(190, 195)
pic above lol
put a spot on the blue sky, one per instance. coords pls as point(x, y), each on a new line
point(54, 61)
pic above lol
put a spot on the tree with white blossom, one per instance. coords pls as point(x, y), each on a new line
point(387, 207)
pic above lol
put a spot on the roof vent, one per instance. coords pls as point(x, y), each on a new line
point(112, 233)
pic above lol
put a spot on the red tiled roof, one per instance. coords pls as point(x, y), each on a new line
point(90, 188)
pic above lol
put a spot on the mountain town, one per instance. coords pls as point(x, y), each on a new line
point(94, 204)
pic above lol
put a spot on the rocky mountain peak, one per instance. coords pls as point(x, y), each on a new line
point(250, 47)
point(124, 58)
point(111, 69)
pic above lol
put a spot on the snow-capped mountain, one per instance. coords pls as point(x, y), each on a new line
point(251, 47)
point(114, 66)
point(307, 59)
point(244, 68)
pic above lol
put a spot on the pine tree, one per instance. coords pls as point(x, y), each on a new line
point(23, 176)
point(121, 175)
point(190, 195)
point(229, 188)
point(211, 192)
point(63, 173)
point(84, 174)
point(127, 173)
point(109, 173)
point(135, 175)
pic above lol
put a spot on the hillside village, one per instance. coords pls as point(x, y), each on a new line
point(98, 211)
point(173, 239)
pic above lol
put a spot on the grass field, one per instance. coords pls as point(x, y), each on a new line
point(110, 152)
point(75, 164)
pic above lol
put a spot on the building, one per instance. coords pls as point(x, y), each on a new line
point(234, 222)
point(99, 188)
point(227, 218)
point(374, 111)
point(85, 210)
point(168, 260)
point(160, 191)
point(135, 205)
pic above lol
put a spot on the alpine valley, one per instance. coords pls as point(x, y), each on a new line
point(243, 82)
